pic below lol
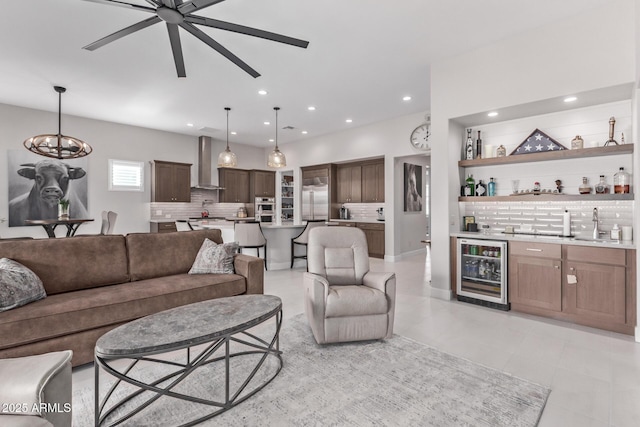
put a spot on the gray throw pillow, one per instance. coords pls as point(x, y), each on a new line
point(214, 259)
point(18, 285)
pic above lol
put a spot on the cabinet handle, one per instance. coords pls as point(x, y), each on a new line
point(534, 250)
point(572, 269)
point(556, 266)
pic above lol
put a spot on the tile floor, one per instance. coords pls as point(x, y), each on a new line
point(594, 375)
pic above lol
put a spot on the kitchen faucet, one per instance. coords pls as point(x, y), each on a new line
point(596, 230)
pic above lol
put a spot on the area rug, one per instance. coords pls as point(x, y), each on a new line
point(397, 382)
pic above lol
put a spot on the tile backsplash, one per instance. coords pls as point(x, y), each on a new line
point(546, 217)
point(363, 211)
point(200, 200)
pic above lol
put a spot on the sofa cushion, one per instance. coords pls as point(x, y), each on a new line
point(355, 301)
point(165, 254)
point(70, 264)
point(87, 309)
point(18, 285)
point(214, 259)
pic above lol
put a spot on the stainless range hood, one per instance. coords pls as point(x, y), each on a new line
point(204, 165)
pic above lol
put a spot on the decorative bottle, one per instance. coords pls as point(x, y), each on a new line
point(601, 186)
point(481, 189)
point(501, 151)
point(621, 182)
point(470, 187)
point(585, 188)
point(468, 148)
point(577, 143)
point(478, 147)
point(491, 187)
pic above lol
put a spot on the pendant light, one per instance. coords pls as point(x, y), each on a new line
point(227, 159)
point(277, 158)
point(58, 146)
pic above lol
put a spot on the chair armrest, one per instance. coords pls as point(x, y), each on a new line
point(252, 268)
point(379, 280)
point(38, 385)
point(316, 290)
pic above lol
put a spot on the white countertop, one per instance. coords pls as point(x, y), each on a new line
point(541, 238)
point(368, 221)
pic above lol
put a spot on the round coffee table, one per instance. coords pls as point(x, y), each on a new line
point(212, 325)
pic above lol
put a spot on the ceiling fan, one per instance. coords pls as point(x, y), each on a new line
point(177, 13)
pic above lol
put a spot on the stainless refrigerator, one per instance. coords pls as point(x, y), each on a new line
point(315, 198)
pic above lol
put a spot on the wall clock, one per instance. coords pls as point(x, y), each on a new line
point(420, 137)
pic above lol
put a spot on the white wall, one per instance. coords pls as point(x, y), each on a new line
point(389, 138)
point(109, 141)
point(591, 51)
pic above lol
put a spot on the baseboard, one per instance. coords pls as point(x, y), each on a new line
point(443, 294)
point(394, 258)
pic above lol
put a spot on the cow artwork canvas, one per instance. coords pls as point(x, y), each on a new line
point(37, 184)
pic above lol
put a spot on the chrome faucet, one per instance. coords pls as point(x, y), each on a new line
point(596, 230)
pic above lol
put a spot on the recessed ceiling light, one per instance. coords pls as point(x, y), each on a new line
point(492, 114)
point(570, 99)
point(406, 98)
point(190, 125)
point(349, 121)
point(311, 108)
point(234, 133)
point(304, 132)
point(262, 92)
point(267, 123)
point(271, 140)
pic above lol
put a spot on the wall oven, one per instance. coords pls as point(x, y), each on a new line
point(265, 209)
point(482, 272)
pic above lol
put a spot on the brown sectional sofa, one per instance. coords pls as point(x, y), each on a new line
point(95, 283)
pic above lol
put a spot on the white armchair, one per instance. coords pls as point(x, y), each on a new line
point(36, 390)
point(344, 301)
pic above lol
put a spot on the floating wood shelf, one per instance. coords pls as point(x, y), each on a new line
point(549, 197)
point(610, 150)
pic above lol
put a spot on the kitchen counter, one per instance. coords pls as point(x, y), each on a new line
point(542, 238)
point(367, 221)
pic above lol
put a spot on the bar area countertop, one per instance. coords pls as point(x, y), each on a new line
point(362, 220)
point(546, 238)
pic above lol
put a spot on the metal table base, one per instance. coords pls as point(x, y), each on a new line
point(202, 358)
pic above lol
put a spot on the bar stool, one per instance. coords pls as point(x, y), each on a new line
point(249, 234)
point(303, 238)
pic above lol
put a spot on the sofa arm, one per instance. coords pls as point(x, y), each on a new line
point(38, 386)
point(252, 268)
point(316, 291)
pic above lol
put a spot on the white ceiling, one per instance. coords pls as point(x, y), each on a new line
point(363, 57)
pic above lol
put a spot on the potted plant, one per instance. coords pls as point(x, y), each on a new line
point(63, 209)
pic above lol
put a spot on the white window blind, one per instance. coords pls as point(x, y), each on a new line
point(126, 175)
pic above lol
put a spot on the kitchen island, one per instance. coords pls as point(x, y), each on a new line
point(278, 239)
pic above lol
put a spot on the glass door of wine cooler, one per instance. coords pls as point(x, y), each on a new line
point(482, 270)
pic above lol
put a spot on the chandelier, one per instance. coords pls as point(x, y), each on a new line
point(58, 146)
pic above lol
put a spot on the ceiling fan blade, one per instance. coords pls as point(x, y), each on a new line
point(176, 48)
point(228, 26)
point(127, 5)
point(220, 49)
point(193, 5)
point(124, 32)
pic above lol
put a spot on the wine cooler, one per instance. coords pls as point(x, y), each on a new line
point(482, 273)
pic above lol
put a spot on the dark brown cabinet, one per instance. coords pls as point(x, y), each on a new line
point(236, 185)
point(262, 183)
point(373, 182)
point(349, 183)
point(163, 227)
point(171, 182)
point(375, 238)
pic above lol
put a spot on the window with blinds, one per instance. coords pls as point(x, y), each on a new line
point(126, 175)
